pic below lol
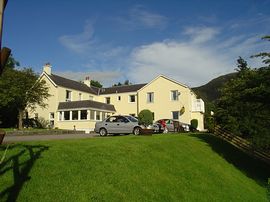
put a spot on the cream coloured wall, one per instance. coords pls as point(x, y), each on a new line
point(163, 105)
point(123, 106)
point(52, 102)
point(199, 116)
point(74, 95)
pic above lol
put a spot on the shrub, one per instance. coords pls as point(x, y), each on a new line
point(43, 123)
point(193, 125)
point(145, 117)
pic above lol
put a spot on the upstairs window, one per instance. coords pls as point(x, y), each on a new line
point(132, 98)
point(119, 98)
point(80, 96)
point(108, 100)
point(91, 97)
point(68, 95)
point(150, 97)
point(174, 95)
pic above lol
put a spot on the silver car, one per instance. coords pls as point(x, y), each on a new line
point(118, 125)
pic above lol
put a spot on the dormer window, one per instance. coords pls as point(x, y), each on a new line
point(68, 95)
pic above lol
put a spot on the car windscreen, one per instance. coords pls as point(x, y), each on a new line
point(131, 118)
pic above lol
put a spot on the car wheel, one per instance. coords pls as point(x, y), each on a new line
point(102, 132)
point(165, 130)
point(137, 131)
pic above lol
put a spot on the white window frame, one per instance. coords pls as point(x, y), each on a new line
point(177, 115)
point(69, 98)
point(129, 98)
point(150, 97)
point(177, 95)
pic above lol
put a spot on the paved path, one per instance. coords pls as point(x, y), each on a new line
point(24, 138)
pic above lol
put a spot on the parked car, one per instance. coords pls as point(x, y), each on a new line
point(170, 125)
point(118, 125)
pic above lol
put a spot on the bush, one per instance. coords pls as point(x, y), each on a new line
point(145, 117)
point(193, 125)
point(43, 123)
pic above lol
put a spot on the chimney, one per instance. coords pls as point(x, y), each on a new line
point(87, 81)
point(47, 68)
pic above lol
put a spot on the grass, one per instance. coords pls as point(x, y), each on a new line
point(132, 168)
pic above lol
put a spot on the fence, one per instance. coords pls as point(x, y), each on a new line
point(242, 144)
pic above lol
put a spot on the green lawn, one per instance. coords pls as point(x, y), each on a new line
point(132, 168)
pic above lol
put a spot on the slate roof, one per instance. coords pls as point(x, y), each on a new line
point(85, 104)
point(121, 89)
point(67, 83)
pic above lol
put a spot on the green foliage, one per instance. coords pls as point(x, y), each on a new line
point(194, 123)
point(265, 56)
point(96, 84)
point(145, 117)
point(43, 123)
point(21, 89)
point(244, 106)
point(126, 83)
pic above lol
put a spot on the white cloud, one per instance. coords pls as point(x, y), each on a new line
point(138, 17)
point(81, 42)
point(192, 62)
point(201, 34)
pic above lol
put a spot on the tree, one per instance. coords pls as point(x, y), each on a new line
point(265, 56)
point(96, 84)
point(244, 107)
point(20, 90)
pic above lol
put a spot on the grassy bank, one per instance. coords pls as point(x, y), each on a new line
point(132, 168)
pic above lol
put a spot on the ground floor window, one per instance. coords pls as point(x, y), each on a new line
point(83, 114)
point(98, 117)
point(66, 115)
point(175, 115)
point(75, 115)
point(92, 115)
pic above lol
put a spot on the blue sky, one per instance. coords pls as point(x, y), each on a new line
point(190, 41)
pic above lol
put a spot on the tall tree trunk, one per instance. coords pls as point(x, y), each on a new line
point(20, 123)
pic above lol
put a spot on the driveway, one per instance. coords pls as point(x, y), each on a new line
point(24, 138)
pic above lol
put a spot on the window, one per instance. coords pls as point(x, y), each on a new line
point(150, 97)
point(91, 97)
point(80, 96)
point(103, 115)
point(51, 116)
point(119, 98)
point(60, 116)
point(66, 115)
point(174, 95)
point(68, 95)
point(98, 117)
point(83, 114)
point(108, 100)
point(153, 115)
point(175, 115)
point(92, 115)
point(75, 115)
point(132, 98)
point(112, 119)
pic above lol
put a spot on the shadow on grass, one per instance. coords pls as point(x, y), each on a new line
point(20, 164)
point(251, 167)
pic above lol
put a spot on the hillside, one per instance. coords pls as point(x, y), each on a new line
point(210, 91)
